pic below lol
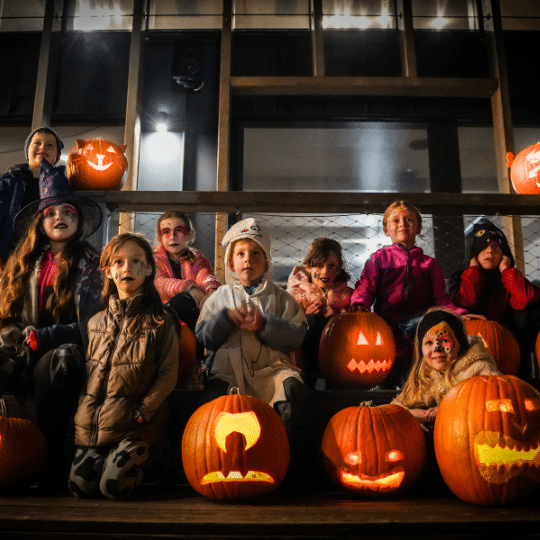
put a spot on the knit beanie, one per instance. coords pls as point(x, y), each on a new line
point(246, 229)
point(481, 234)
point(59, 143)
point(432, 318)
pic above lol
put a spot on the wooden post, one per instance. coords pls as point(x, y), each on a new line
point(317, 41)
point(222, 181)
point(406, 41)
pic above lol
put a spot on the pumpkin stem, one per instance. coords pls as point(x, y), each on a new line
point(234, 390)
point(368, 403)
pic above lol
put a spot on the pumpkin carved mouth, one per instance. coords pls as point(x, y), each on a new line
point(500, 458)
point(388, 481)
point(99, 166)
point(371, 366)
point(236, 476)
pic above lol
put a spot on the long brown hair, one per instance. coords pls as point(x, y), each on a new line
point(150, 312)
point(188, 253)
point(319, 252)
point(20, 265)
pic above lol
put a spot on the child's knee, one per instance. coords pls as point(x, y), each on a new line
point(85, 474)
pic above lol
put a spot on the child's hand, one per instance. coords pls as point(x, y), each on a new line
point(314, 308)
point(198, 295)
point(506, 262)
point(253, 319)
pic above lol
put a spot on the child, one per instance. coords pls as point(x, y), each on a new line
point(252, 326)
point(443, 356)
point(19, 185)
point(493, 287)
point(320, 287)
point(132, 368)
point(184, 277)
point(48, 291)
point(401, 283)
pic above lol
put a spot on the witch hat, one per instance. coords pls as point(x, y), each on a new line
point(54, 188)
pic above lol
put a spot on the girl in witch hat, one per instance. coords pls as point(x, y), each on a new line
point(49, 289)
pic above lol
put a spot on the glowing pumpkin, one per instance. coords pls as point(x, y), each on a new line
point(356, 350)
point(235, 447)
point(23, 452)
point(525, 170)
point(487, 439)
point(499, 342)
point(97, 164)
point(374, 451)
point(187, 348)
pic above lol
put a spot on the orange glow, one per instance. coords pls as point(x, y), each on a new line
point(246, 424)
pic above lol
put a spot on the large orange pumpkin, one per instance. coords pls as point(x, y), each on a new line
point(525, 170)
point(487, 439)
point(235, 447)
point(187, 349)
point(374, 451)
point(356, 350)
point(97, 164)
point(499, 342)
point(23, 452)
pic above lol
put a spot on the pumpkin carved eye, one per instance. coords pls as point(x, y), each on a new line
point(394, 456)
point(503, 405)
point(88, 148)
point(532, 404)
point(111, 149)
point(353, 458)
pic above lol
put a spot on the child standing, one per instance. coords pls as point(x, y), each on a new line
point(49, 289)
point(492, 286)
point(184, 277)
point(252, 326)
point(320, 287)
point(443, 356)
point(132, 369)
point(401, 283)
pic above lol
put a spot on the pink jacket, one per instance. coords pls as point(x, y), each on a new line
point(198, 273)
point(401, 285)
point(306, 293)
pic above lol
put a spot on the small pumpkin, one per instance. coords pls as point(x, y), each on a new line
point(499, 342)
point(374, 451)
point(23, 452)
point(97, 164)
point(525, 170)
point(356, 350)
point(235, 447)
point(187, 348)
point(487, 439)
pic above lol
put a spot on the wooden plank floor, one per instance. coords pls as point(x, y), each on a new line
point(181, 513)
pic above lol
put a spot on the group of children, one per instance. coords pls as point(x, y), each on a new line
point(95, 338)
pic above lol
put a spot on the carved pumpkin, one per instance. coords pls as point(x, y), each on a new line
point(499, 342)
point(23, 452)
point(374, 451)
point(97, 164)
point(357, 350)
point(187, 348)
point(525, 170)
point(235, 447)
point(487, 439)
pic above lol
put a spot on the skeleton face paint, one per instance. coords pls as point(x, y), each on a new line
point(440, 347)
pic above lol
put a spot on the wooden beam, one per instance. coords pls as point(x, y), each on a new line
point(317, 39)
point(303, 202)
point(364, 86)
point(406, 41)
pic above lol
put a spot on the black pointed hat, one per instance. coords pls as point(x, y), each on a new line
point(54, 188)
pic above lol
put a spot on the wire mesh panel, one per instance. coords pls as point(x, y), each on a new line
point(360, 235)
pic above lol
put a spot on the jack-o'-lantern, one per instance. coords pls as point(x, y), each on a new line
point(23, 452)
point(487, 439)
point(499, 342)
point(374, 451)
point(235, 447)
point(187, 349)
point(97, 164)
point(525, 170)
point(537, 349)
point(356, 350)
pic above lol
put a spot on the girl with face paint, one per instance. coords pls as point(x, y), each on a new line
point(184, 277)
point(443, 356)
point(49, 289)
point(132, 366)
point(320, 287)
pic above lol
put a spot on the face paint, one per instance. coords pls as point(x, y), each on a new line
point(440, 346)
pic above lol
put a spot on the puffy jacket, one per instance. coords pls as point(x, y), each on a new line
point(198, 273)
point(126, 374)
point(300, 287)
point(401, 284)
point(495, 294)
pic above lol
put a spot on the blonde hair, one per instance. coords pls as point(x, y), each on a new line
point(409, 206)
point(425, 386)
